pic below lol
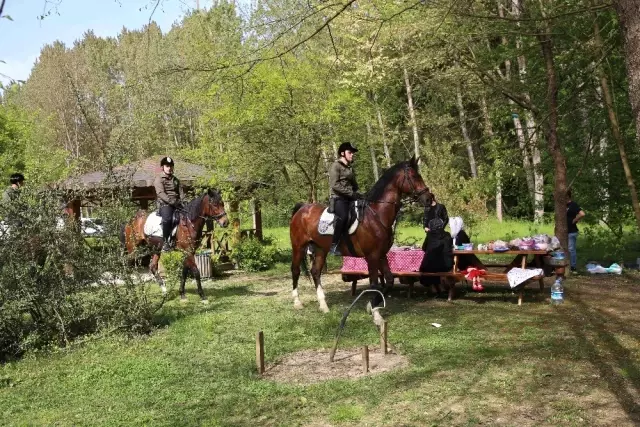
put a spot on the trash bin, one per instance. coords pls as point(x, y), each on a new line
point(203, 261)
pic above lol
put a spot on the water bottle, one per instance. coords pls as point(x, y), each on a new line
point(557, 293)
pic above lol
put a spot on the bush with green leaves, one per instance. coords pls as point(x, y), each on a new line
point(253, 255)
point(55, 286)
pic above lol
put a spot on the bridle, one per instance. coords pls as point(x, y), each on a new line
point(414, 196)
point(205, 217)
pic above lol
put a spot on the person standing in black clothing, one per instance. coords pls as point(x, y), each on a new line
point(436, 210)
point(438, 255)
point(574, 214)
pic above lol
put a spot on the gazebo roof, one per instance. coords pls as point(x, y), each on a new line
point(137, 175)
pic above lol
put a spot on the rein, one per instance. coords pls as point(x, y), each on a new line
point(204, 217)
point(415, 195)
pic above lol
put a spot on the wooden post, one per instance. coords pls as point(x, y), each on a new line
point(234, 217)
point(365, 359)
point(260, 352)
point(383, 337)
point(354, 286)
point(257, 218)
point(540, 264)
point(144, 204)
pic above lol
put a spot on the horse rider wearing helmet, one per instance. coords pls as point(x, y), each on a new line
point(170, 195)
point(344, 189)
point(13, 191)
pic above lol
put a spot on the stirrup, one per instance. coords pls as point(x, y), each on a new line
point(334, 249)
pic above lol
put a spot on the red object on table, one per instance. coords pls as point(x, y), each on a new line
point(399, 260)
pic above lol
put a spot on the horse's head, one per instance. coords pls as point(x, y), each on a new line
point(214, 207)
point(413, 185)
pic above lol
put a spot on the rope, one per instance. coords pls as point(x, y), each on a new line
point(343, 321)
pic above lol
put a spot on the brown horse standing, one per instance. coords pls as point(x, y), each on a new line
point(373, 237)
point(188, 236)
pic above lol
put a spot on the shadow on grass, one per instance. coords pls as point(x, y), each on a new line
point(618, 367)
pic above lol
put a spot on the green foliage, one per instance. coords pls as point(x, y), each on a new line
point(253, 255)
point(54, 287)
point(601, 245)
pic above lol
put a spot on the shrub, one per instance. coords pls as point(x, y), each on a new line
point(253, 255)
point(55, 287)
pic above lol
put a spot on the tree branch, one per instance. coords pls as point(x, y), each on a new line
point(548, 18)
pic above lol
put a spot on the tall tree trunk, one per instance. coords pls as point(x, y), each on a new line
point(385, 146)
point(603, 171)
point(488, 131)
point(630, 22)
point(465, 133)
point(555, 147)
point(526, 159)
point(412, 113)
point(615, 129)
point(536, 166)
point(532, 145)
point(374, 162)
point(517, 124)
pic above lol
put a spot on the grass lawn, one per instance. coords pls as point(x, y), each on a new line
point(491, 362)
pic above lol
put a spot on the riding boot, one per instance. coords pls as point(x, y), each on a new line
point(337, 234)
point(166, 236)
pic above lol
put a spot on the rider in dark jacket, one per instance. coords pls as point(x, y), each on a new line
point(344, 189)
point(170, 195)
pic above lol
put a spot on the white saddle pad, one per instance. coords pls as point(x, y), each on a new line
point(153, 226)
point(325, 225)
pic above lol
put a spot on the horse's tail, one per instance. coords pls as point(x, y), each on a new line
point(297, 207)
point(308, 250)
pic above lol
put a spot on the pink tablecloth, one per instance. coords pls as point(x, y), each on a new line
point(400, 260)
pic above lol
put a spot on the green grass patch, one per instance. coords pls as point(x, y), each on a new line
point(491, 362)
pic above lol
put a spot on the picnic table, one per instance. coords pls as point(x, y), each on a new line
point(405, 264)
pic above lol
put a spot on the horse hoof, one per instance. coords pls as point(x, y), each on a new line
point(369, 307)
point(324, 309)
point(205, 301)
point(184, 299)
point(163, 288)
point(298, 305)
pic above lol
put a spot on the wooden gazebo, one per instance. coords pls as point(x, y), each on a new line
point(137, 179)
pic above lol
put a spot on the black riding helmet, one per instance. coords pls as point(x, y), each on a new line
point(166, 161)
point(16, 178)
point(346, 146)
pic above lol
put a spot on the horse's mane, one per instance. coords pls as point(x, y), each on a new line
point(378, 188)
point(193, 207)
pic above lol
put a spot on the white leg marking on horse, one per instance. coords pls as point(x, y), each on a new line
point(296, 301)
point(205, 301)
point(377, 317)
point(163, 288)
point(321, 300)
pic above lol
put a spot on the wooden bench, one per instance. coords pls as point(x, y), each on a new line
point(457, 277)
